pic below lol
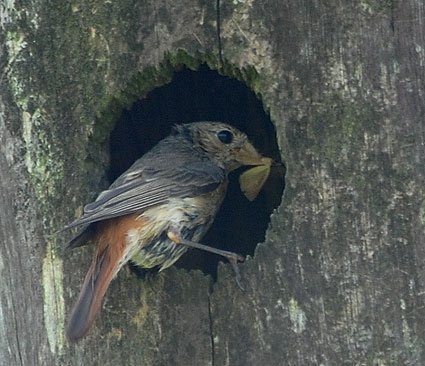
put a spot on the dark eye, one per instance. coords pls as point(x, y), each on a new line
point(225, 136)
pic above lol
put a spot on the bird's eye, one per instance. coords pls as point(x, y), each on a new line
point(225, 136)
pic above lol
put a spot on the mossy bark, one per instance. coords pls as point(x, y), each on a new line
point(339, 279)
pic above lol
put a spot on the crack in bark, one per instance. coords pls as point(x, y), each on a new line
point(18, 345)
point(392, 21)
point(211, 327)
point(220, 55)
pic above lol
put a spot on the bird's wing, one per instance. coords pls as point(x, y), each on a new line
point(134, 192)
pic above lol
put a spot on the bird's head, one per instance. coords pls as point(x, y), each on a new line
point(225, 145)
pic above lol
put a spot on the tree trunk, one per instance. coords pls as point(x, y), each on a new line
point(340, 278)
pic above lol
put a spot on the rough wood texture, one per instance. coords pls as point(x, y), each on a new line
point(340, 279)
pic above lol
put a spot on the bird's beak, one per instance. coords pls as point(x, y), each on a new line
point(247, 155)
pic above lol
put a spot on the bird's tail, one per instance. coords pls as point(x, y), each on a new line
point(98, 278)
point(113, 251)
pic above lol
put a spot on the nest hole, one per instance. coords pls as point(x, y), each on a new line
point(204, 95)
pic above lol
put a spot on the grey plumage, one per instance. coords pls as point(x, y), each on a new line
point(161, 206)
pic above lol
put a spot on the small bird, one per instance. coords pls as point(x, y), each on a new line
point(158, 209)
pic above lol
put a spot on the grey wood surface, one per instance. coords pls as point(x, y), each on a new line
point(340, 277)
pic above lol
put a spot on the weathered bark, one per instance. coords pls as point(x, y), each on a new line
point(340, 278)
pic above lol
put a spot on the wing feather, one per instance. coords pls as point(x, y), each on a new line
point(151, 187)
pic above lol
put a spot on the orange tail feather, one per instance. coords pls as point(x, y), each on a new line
point(112, 241)
point(94, 288)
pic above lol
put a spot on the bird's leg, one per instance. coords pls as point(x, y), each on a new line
point(233, 258)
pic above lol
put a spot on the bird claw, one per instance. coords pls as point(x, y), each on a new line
point(235, 267)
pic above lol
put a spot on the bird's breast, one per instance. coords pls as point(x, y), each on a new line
point(191, 216)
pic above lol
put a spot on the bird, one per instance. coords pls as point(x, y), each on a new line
point(158, 209)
